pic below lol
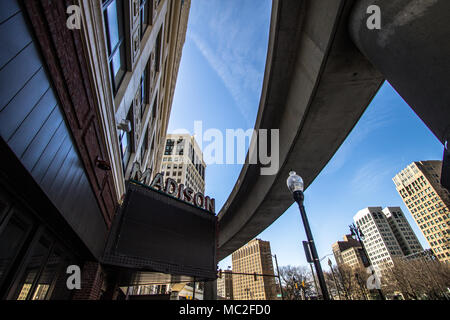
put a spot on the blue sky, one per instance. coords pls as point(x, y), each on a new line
point(219, 83)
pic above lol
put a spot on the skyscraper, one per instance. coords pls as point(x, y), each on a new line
point(428, 202)
point(225, 285)
point(403, 232)
point(183, 161)
point(254, 257)
point(349, 252)
point(383, 242)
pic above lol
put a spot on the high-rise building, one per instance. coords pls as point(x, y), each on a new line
point(380, 241)
point(403, 232)
point(428, 202)
point(254, 257)
point(90, 96)
point(349, 252)
point(225, 285)
point(183, 161)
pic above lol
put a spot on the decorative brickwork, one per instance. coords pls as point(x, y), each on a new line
point(62, 49)
point(91, 282)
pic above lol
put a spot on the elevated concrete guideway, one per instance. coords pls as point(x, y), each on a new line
point(316, 86)
point(324, 66)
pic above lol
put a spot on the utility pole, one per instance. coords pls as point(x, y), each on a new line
point(315, 283)
point(334, 278)
point(279, 278)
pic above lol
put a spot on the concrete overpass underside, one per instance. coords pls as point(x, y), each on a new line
point(316, 86)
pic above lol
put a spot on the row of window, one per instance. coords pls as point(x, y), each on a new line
point(115, 13)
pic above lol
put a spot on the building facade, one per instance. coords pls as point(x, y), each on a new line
point(403, 232)
point(428, 202)
point(379, 239)
point(85, 103)
point(350, 253)
point(183, 161)
point(254, 257)
point(225, 285)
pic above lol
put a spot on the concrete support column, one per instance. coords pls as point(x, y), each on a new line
point(210, 290)
point(91, 282)
point(412, 50)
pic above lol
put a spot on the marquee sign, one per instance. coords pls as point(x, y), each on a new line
point(173, 189)
point(185, 194)
point(157, 232)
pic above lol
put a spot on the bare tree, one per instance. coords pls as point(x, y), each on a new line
point(421, 278)
point(292, 278)
point(353, 282)
point(335, 284)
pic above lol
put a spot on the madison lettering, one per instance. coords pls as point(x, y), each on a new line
point(185, 194)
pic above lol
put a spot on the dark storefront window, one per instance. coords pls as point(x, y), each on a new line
point(36, 261)
point(113, 15)
point(14, 233)
point(32, 261)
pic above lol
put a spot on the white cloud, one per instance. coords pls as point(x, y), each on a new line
point(369, 177)
point(232, 45)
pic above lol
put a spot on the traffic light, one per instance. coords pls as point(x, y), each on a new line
point(295, 282)
point(254, 276)
point(220, 273)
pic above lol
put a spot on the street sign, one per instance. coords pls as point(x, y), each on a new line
point(307, 252)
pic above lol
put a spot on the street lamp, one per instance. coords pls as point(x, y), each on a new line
point(279, 277)
point(295, 185)
point(334, 278)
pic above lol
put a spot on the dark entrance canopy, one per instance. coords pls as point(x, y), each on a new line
point(155, 232)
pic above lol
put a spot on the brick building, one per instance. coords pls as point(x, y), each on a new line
point(78, 108)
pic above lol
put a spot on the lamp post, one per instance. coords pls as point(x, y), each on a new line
point(295, 185)
point(334, 278)
point(279, 277)
point(314, 278)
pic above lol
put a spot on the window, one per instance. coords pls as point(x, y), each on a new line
point(125, 141)
point(145, 16)
point(144, 91)
point(154, 108)
point(113, 15)
point(158, 51)
point(12, 237)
